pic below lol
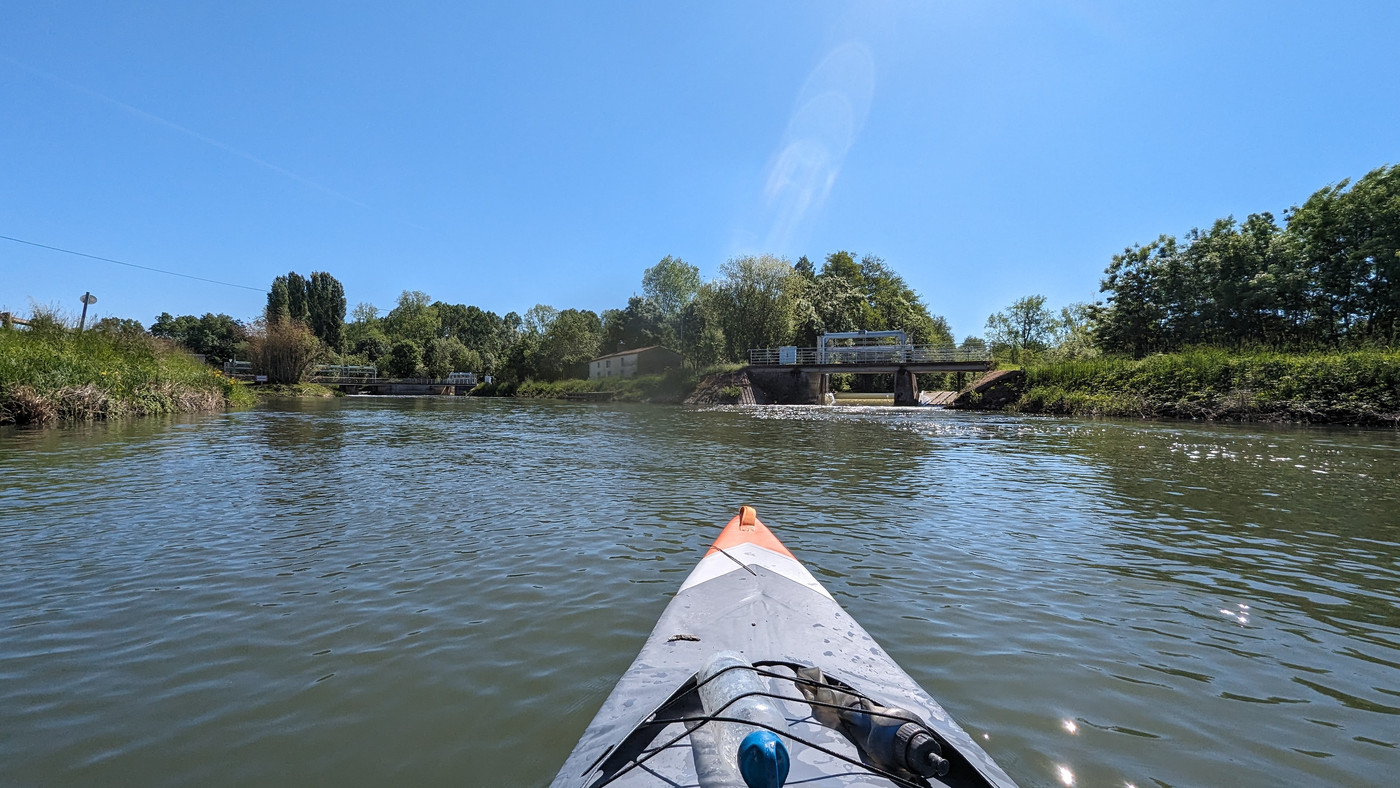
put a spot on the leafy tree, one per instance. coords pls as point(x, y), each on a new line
point(826, 304)
point(702, 338)
point(372, 345)
point(439, 355)
point(1328, 278)
point(641, 324)
point(670, 285)
point(1024, 326)
point(754, 302)
point(298, 306)
point(277, 301)
point(465, 359)
point(1073, 332)
point(365, 313)
point(404, 359)
point(217, 337)
point(894, 306)
point(538, 319)
point(121, 326)
point(325, 305)
point(568, 344)
point(843, 264)
point(413, 318)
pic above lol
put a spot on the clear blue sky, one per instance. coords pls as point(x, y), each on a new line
point(504, 154)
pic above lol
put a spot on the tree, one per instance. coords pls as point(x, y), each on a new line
point(702, 339)
point(641, 324)
point(284, 350)
point(670, 285)
point(439, 355)
point(404, 358)
point(121, 326)
point(325, 305)
point(1025, 325)
point(1072, 333)
point(217, 337)
point(298, 307)
point(277, 301)
point(538, 319)
point(413, 318)
point(824, 305)
point(372, 345)
point(754, 302)
point(894, 306)
point(365, 313)
point(843, 264)
point(569, 343)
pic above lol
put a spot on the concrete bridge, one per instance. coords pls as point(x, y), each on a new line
point(809, 369)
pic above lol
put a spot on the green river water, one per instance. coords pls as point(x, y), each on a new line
point(377, 591)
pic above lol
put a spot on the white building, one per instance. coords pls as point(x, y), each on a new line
point(631, 363)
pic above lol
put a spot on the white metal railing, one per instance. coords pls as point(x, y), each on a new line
point(867, 354)
point(343, 373)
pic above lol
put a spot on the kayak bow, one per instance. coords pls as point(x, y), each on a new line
point(755, 676)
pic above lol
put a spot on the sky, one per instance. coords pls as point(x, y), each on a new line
point(508, 154)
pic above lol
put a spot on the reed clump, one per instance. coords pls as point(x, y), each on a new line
point(51, 372)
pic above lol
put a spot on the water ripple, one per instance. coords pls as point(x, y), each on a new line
point(371, 591)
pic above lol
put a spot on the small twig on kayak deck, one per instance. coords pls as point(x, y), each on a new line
point(735, 560)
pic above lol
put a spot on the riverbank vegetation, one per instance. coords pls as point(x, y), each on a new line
point(1351, 387)
point(50, 372)
point(293, 391)
point(1251, 320)
point(1242, 312)
point(670, 388)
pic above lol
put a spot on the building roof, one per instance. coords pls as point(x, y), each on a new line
point(631, 351)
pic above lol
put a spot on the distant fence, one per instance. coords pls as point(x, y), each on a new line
point(343, 373)
point(866, 354)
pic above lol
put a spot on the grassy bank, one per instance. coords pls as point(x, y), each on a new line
point(293, 390)
point(51, 373)
point(670, 388)
point(1360, 387)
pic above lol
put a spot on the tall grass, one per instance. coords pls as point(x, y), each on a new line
point(51, 372)
point(1359, 387)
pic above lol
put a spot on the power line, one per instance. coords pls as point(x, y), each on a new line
point(132, 265)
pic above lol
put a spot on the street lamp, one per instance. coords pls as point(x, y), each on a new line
point(88, 298)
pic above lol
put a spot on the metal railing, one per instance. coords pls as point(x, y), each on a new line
point(867, 354)
point(343, 373)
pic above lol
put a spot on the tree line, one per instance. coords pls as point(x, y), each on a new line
point(756, 301)
point(1326, 278)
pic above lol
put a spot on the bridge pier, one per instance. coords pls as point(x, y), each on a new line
point(906, 388)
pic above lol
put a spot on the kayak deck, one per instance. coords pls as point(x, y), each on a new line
point(751, 596)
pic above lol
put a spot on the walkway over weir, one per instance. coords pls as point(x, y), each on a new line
point(874, 359)
point(866, 353)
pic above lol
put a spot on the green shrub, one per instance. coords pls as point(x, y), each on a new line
point(59, 374)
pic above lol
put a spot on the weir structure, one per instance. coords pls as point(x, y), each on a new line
point(866, 353)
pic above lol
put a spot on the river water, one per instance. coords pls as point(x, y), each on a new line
point(371, 591)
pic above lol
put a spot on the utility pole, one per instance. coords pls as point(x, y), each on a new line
point(88, 298)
